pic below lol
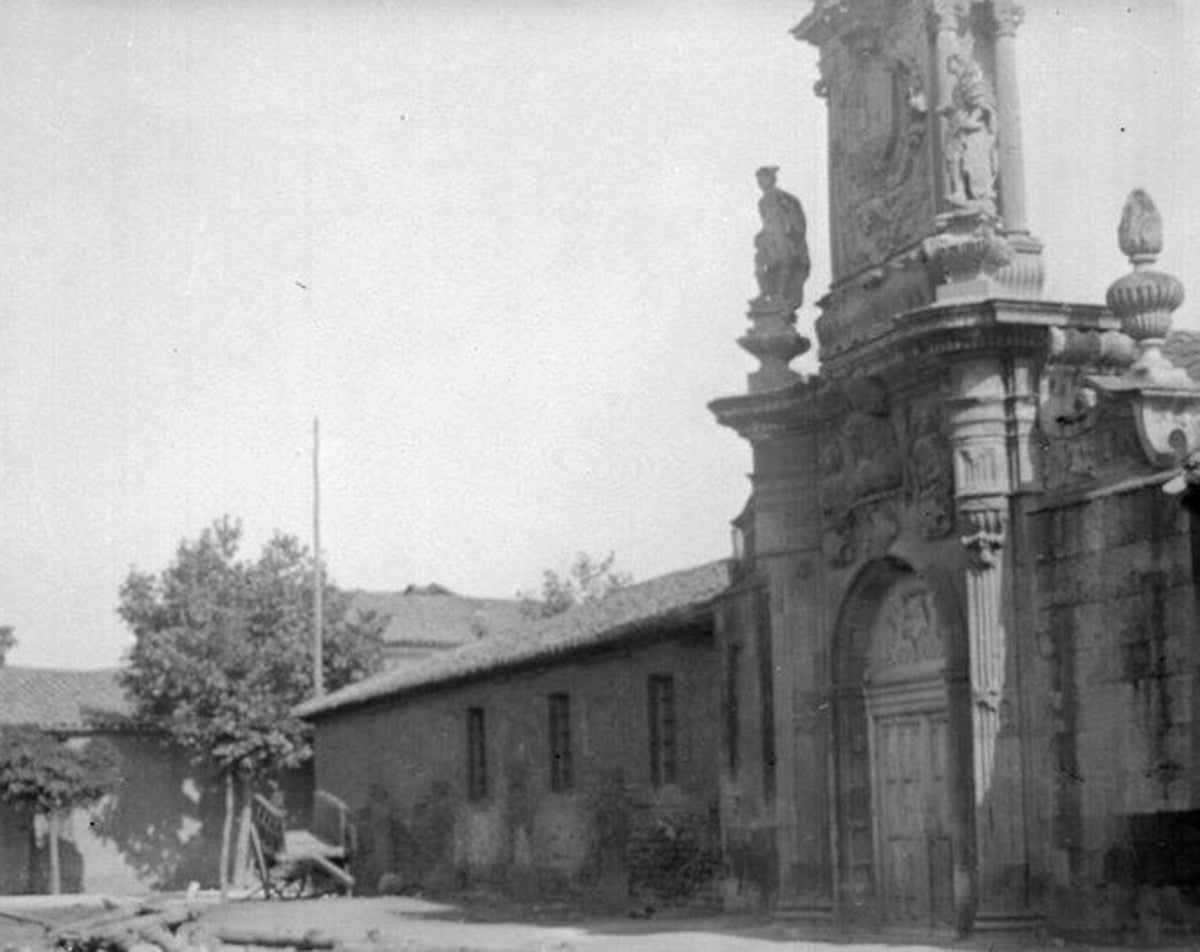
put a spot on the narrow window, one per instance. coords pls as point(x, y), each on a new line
point(476, 755)
point(561, 774)
point(662, 729)
point(733, 665)
point(766, 688)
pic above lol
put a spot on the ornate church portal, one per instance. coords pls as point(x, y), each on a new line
point(979, 699)
point(896, 771)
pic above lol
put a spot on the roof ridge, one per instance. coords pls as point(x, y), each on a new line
point(661, 599)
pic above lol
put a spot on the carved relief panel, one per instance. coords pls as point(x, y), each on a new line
point(883, 467)
point(929, 472)
point(860, 467)
point(876, 74)
point(908, 635)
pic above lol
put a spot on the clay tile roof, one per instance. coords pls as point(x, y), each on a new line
point(61, 699)
point(433, 616)
point(625, 612)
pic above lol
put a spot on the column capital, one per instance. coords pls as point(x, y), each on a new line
point(947, 15)
point(1008, 15)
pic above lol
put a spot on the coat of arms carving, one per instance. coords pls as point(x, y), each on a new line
point(881, 190)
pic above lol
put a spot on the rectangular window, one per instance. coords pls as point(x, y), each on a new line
point(561, 774)
point(766, 687)
point(662, 729)
point(477, 787)
point(733, 666)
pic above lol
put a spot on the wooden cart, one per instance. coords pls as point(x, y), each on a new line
point(298, 862)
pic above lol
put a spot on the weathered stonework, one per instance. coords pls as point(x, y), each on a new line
point(981, 600)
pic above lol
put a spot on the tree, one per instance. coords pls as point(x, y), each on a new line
point(587, 580)
point(222, 654)
point(8, 641)
point(45, 774)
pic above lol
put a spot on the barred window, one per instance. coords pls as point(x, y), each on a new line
point(477, 783)
point(733, 667)
point(766, 679)
point(662, 729)
point(562, 776)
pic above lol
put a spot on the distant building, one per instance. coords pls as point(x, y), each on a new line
point(573, 752)
point(424, 619)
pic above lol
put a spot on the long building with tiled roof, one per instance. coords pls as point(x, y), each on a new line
point(572, 746)
point(621, 614)
point(63, 700)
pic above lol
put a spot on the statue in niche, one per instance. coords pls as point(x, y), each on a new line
point(970, 155)
point(781, 262)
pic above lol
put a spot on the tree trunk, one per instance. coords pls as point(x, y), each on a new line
point(33, 883)
point(52, 818)
point(241, 869)
point(226, 834)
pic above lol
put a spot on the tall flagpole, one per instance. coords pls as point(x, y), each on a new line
point(318, 575)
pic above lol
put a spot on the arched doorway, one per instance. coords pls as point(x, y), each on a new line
point(896, 773)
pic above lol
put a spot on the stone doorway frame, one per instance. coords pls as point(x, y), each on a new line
point(860, 695)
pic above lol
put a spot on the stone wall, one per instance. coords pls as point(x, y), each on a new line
point(402, 768)
point(1115, 694)
point(749, 762)
point(160, 829)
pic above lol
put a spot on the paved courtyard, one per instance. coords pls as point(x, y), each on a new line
point(415, 925)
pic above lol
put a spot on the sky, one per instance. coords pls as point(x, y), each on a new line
point(501, 248)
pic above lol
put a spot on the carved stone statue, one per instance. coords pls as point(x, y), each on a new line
point(970, 155)
point(781, 262)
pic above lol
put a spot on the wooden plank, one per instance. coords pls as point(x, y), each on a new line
point(275, 940)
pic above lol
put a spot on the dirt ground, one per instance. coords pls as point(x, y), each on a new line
point(415, 925)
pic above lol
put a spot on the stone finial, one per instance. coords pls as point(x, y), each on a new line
point(1144, 299)
point(1140, 231)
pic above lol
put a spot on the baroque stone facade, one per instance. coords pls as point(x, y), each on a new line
point(978, 599)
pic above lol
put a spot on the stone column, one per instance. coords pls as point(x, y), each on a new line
point(980, 435)
point(1008, 16)
point(946, 18)
point(1024, 275)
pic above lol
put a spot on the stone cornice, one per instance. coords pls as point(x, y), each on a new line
point(1049, 500)
point(764, 415)
point(941, 330)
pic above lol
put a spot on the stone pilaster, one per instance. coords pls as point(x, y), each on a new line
point(982, 428)
point(787, 536)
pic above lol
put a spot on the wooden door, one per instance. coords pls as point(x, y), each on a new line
point(915, 860)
